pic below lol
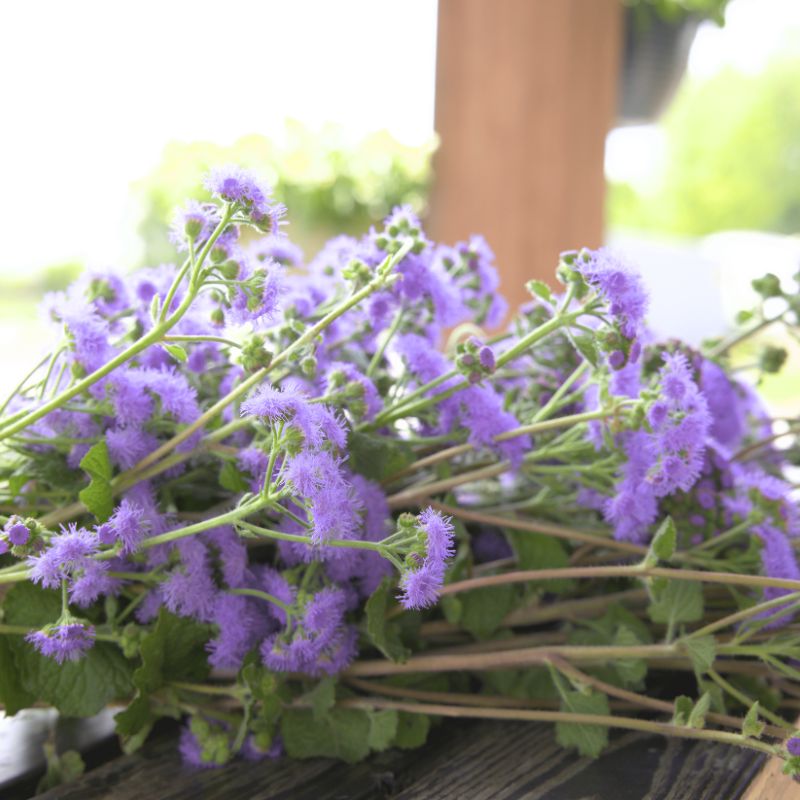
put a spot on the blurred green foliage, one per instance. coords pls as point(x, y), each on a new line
point(329, 185)
point(675, 9)
point(732, 160)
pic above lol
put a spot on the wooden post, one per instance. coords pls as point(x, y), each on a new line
point(525, 94)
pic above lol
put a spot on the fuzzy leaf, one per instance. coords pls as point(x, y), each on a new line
point(76, 688)
point(590, 740)
point(343, 733)
point(539, 551)
point(586, 346)
point(697, 719)
point(539, 288)
point(97, 496)
point(683, 709)
point(232, 479)
point(752, 725)
point(13, 695)
point(632, 671)
point(412, 730)
point(483, 610)
point(176, 351)
point(662, 548)
point(383, 633)
point(677, 601)
point(382, 729)
point(173, 650)
point(377, 458)
point(322, 697)
point(701, 650)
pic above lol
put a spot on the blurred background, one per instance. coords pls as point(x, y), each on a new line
point(667, 128)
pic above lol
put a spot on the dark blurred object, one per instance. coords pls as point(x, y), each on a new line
point(653, 63)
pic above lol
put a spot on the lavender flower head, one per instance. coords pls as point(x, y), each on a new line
point(67, 641)
point(427, 562)
point(236, 185)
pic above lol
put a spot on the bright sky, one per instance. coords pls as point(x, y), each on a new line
point(93, 90)
point(755, 31)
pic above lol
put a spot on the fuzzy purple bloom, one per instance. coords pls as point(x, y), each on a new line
point(421, 583)
point(67, 642)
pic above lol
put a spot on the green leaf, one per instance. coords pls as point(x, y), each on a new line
point(752, 725)
point(382, 729)
point(343, 733)
point(539, 551)
point(662, 548)
point(97, 496)
point(701, 650)
point(134, 723)
point(697, 719)
point(683, 709)
point(412, 730)
point(632, 671)
point(676, 601)
point(322, 697)
point(539, 288)
point(377, 458)
point(233, 479)
point(383, 633)
point(76, 688)
point(174, 650)
point(586, 346)
point(483, 610)
point(13, 695)
point(590, 740)
point(176, 351)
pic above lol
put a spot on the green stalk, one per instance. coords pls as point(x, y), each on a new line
point(152, 337)
point(382, 278)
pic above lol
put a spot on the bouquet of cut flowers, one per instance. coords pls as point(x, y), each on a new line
point(314, 507)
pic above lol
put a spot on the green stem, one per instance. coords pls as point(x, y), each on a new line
point(632, 571)
point(381, 279)
point(153, 336)
point(376, 359)
point(270, 598)
point(739, 695)
point(552, 403)
point(199, 338)
point(628, 723)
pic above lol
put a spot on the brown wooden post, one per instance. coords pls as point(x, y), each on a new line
point(525, 94)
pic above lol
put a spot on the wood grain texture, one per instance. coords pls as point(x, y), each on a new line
point(525, 94)
point(772, 784)
point(479, 761)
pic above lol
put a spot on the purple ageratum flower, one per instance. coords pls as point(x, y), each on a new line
point(727, 402)
point(277, 248)
point(69, 552)
point(793, 745)
point(190, 589)
point(320, 643)
point(17, 532)
point(93, 582)
point(236, 185)
point(63, 642)
point(421, 583)
point(259, 293)
point(128, 446)
point(424, 361)
point(318, 424)
point(126, 525)
point(619, 285)
point(779, 561)
point(194, 222)
point(681, 427)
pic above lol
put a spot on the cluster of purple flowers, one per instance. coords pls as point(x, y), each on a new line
point(264, 524)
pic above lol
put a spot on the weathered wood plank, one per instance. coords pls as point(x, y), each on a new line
point(479, 761)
